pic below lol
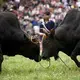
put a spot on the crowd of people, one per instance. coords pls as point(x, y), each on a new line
point(34, 15)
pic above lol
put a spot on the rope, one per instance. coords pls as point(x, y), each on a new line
point(65, 64)
point(47, 66)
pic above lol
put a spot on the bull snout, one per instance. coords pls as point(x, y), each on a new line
point(44, 57)
point(38, 59)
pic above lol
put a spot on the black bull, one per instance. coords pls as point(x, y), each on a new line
point(65, 38)
point(13, 40)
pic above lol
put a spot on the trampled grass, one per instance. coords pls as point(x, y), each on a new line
point(21, 68)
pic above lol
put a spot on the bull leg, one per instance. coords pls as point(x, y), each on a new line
point(73, 57)
point(1, 60)
point(75, 53)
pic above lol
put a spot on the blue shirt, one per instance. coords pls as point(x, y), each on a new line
point(49, 25)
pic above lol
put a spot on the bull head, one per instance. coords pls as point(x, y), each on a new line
point(48, 44)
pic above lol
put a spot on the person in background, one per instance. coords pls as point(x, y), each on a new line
point(47, 24)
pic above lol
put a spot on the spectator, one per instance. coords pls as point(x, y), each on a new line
point(49, 24)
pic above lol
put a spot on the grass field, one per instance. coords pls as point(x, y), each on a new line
point(20, 68)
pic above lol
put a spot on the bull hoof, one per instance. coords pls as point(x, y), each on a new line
point(0, 71)
point(78, 64)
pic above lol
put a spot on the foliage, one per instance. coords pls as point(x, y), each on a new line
point(20, 68)
point(1, 1)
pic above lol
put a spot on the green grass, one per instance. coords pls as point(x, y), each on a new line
point(20, 68)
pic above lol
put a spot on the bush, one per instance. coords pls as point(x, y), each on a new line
point(1, 1)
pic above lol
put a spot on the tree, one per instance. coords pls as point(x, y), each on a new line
point(1, 1)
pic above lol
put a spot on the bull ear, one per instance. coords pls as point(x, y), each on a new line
point(52, 33)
